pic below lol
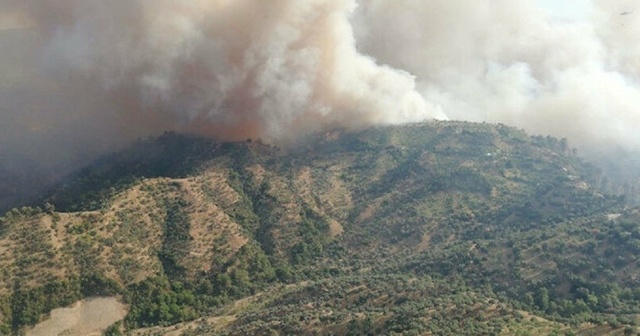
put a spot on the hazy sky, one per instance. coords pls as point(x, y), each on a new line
point(567, 9)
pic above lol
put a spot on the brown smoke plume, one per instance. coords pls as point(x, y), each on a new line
point(231, 69)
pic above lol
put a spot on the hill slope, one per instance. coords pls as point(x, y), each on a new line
point(442, 227)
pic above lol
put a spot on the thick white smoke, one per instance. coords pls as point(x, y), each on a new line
point(511, 62)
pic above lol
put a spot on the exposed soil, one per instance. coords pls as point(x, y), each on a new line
point(85, 318)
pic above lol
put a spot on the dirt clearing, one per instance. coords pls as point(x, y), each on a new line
point(84, 318)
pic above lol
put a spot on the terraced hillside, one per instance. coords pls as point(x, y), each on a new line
point(439, 228)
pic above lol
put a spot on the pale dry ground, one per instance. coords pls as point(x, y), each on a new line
point(85, 318)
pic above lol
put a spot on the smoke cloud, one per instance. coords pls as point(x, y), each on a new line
point(512, 62)
point(229, 69)
point(80, 77)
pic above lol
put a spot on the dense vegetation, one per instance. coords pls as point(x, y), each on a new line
point(440, 228)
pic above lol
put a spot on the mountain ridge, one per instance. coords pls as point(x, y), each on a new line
point(472, 208)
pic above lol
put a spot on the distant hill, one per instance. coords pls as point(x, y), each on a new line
point(444, 228)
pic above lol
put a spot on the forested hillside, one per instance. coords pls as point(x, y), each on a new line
point(441, 228)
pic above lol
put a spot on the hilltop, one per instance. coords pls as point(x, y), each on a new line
point(442, 228)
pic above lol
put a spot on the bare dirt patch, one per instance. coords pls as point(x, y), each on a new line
point(85, 318)
point(335, 228)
